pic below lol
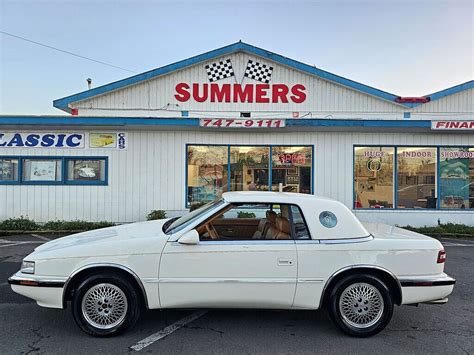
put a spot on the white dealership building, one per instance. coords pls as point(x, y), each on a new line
point(241, 118)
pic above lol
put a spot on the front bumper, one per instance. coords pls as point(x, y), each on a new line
point(46, 291)
point(427, 289)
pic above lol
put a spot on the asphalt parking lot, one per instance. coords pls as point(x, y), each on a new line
point(26, 328)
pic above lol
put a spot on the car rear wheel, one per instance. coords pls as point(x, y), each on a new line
point(105, 305)
point(360, 305)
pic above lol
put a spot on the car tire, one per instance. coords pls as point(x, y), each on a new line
point(360, 305)
point(105, 305)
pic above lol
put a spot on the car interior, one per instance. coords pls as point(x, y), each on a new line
point(248, 222)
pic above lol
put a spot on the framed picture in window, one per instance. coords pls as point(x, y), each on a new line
point(292, 171)
point(86, 170)
point(42, 170)
point(8, 169)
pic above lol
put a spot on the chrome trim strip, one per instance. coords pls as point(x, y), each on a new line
point(310, 280)
point(307, 241)
point(16, 280)
point(347, 240)
point(361, 266)
point(224, 281)
point(241, 242)
point(428, 282)
point(118, 266)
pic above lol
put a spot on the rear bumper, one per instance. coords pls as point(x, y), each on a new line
point(427, 290)
point(45, 291)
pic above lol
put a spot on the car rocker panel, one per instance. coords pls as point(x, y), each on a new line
point(248, 250)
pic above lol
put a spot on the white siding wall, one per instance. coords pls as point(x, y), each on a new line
point(323, 97)
point(151, 175)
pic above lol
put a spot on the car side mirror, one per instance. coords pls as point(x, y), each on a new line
point(189, 238)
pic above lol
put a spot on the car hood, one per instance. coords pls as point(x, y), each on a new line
point(134, 238)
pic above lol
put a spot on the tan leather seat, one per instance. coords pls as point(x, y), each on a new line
point(263, 224)
point(283, 226)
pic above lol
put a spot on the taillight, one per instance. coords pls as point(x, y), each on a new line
point(441, 257)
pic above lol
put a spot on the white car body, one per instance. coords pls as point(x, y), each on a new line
point(280, 274)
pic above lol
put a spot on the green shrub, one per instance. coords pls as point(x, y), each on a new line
point(19, 224)
point(196, 205)
point(156, 214)
point(74, 225)
point(243, 214)
point(448, 228)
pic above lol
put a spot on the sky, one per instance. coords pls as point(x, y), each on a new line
point(408, 48)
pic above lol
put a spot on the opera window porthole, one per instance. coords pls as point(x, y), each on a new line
point(373, 177)
point(456, 174)
point(214, 169)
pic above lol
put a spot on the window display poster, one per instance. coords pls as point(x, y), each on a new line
point(43, 170)
point(6, 170)
point(86, 170)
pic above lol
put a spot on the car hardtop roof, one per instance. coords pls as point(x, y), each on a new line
point(269, 197)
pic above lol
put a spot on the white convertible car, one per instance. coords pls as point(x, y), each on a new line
point(246, 250)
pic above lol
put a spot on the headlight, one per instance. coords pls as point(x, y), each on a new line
point(27, 267)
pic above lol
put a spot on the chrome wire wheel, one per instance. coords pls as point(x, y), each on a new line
point(104, 306)
point(361, 305)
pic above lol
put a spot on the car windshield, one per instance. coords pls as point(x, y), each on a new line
point(187, 219)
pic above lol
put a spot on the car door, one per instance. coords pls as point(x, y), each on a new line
point(239, 272)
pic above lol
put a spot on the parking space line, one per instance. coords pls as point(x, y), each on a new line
point(3, 284)
point(167, 331)
point(13, 244)
point(41, 237)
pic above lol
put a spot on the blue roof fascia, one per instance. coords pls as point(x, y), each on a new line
point(235, 47)
point(194, 122)
point(450, 91)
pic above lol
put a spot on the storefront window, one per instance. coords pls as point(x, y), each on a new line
point(373, 177)
point(456, 172)
point(85, 171)
point(8, 170)
point(42, 170)
point(416, 172)
point(291, 166)
point(249, 168)
point(207, 172)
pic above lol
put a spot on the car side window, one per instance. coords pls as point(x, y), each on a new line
point(300, 228)
point(249, 221)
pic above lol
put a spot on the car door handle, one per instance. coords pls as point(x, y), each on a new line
point(285, 262)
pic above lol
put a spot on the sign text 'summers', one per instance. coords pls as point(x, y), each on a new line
point(236, 93)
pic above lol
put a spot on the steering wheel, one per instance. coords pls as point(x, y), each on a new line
point(212, 231)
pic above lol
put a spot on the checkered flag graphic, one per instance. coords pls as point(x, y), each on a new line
point(258, 71)
point(219, 70)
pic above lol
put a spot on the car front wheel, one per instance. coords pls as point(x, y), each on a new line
point(105, 305)
point(360, 305)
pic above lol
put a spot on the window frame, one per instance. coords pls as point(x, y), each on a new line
point(19, 170)
point(64, 161)
point(395, 177)
point(231, 205)
point(270, 168)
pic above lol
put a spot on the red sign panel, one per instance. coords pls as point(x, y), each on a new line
point(453, 125)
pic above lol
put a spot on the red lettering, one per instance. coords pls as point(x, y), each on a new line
point(261, 93)
point(464, 125)
point(440, 124)
point(279, 92)
point(221, 94)
point(298, 94)
point(196, 93)
point(182, 93)
point(245, 95)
